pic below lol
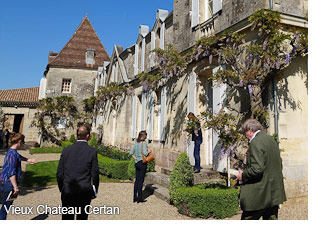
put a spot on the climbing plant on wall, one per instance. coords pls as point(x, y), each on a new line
point(53, 113)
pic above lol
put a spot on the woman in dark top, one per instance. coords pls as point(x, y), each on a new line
point(136, 152)
point(11, 172)
point(197, 138)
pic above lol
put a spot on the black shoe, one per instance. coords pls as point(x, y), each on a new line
point(134, 200)
point(141, 201)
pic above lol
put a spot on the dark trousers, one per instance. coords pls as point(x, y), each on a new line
point(140, 175)
point(197, 155)
point(5, 189)
point(266, 214)
point(78, 201)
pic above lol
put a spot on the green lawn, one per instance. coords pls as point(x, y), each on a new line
point(44, 174)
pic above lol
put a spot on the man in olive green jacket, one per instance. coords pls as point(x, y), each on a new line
point(263, 188)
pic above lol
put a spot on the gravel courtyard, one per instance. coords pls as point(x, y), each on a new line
point(116, 195)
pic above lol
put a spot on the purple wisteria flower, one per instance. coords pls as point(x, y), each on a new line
point(250, 90)
point(287, 58)
point(277, 64)
point(145, 87)
point(255, 81)
point(297, 37)
point(264, 47)
point(165, 73)
point(241, 83)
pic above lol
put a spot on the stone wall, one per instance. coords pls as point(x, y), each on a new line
point(31, 133)
point(82, 83)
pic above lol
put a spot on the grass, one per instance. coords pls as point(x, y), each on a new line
point(42, 150)
point(44, 174)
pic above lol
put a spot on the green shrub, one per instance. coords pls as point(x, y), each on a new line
point(72, 138)
point(93, 142)
point(151, 167)
point(44, 150)
point(208, 200)
point(66, 144)
point(116, 169)
point(182, 175)
point(131, 171)
point(113, 153)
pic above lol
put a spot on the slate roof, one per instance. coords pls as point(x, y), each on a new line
point(19, 97)
point(73, 53)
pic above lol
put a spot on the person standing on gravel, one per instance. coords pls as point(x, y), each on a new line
point(11, 172)
point(139, 148)
point(77, 168)
point(263, 189)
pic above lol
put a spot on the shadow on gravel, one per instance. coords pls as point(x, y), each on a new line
point(27, 190)
point(148, 191)
point(40, 217)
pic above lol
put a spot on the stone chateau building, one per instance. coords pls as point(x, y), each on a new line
point(83, 65)
point(162, 112)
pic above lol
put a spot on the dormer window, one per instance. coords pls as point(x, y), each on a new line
point(90, 56)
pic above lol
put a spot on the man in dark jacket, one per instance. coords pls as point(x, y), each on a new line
point(78, 167)
point(263, 189)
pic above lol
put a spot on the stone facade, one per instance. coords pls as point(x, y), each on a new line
point(194, 93)
point(31, 133)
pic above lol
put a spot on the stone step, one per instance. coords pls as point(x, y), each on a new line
point(158, 190)
point(210, 181)
point(205, 174)
point(157, 178)
point(166, 171)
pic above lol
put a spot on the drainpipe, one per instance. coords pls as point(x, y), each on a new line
point(275, 107)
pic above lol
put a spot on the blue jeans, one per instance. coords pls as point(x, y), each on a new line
point(5, 190)
point(140, 175)
point(197, 155)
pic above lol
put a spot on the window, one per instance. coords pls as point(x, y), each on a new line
point(66, 86)
point(209, 8)
point(90, 56)
point(60, 123)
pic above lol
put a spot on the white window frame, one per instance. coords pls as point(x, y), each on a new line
point(61, 123)
point(63, 88)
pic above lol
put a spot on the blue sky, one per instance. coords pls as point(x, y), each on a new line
point(30, 29)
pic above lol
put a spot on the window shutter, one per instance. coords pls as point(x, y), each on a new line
point(134, 113)
point(136, 60)
point(162, 35)
point(195, 13)
point(163, 114)
point(152, 63)
point(150, 116)
point(218, 93)
point(143, 111)
point(217, 5)
point(143, 55)
point(192, 94)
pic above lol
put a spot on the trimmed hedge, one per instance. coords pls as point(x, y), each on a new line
point(116, 169)
point(182, 175)
point(113, 153)
point(207, 200)
point(65, 144)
